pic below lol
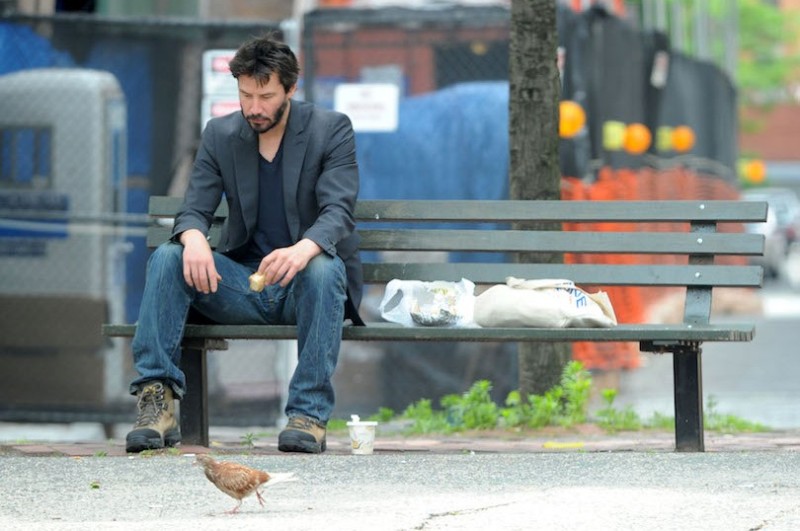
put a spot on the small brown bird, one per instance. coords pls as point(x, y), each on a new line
point(239, 481)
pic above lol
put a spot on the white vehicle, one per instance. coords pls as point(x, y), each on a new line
point(782, 227)
point(62, 171)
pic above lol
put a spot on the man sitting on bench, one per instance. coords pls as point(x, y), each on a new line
point(288, 172)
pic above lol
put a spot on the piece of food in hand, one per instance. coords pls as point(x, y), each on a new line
point(257, 282)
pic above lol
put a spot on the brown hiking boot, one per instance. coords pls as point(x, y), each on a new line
point(302, 434)
point(156, 425)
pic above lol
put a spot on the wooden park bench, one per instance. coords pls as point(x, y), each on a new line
point(685, 231)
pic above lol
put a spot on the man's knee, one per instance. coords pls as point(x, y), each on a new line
point(325, 269)
point(167, 254)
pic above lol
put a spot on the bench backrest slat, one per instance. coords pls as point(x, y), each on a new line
point(160, 206)
point(586, 274)
point(543, 241)
point(557, 241)
point(158, 234)
point(513, 210)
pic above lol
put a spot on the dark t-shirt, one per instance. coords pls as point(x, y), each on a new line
point(272, 231)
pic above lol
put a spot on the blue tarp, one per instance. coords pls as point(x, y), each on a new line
point(23, 49)
point(449, 144)
point(131, 65)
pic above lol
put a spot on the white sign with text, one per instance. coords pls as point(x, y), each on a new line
point(372, 107)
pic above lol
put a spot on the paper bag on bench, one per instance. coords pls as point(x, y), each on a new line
point(545, 303)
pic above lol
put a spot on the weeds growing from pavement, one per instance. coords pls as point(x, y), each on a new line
point(612, 419)
point(565, 405)
point(726, 423)
point(249, 440)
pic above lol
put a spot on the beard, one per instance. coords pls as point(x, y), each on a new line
point(270, 121)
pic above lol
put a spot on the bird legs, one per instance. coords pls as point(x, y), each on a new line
point(236, 509)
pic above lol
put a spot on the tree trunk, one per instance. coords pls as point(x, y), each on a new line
point(534, 165)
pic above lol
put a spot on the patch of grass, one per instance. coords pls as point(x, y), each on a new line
point(659, 421)
point(577, 385)
point(384, 414)
point(726, 423)
point(425, 419)
point(612, 419)
point(474, 410)
point(336, 425)
point(564, 405)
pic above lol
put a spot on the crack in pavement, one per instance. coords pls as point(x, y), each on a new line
point(461, 512)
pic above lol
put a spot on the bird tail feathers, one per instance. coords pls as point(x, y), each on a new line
point(280, 477)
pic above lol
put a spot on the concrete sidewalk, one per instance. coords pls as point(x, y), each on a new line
point(590, 481)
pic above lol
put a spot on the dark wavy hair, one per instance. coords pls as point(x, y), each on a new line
point(261, 57)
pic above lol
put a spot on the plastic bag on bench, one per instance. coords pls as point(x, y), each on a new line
point(545, 303)
point(436, 303)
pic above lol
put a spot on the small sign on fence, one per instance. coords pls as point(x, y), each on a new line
point(372, 107)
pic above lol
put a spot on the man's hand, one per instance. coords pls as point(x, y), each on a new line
point(199, 270)
point(281, 265)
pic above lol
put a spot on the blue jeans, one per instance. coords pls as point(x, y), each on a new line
point(314, 301)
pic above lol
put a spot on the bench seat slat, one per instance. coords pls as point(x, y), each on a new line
point(381, 331)
point(584, 274)
point(557, 241)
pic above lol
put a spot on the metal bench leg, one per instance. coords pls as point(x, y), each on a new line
point(194, 406)
point(688, 385)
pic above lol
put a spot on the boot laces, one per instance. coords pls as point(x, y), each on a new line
point(301, 423)
point(151, 404)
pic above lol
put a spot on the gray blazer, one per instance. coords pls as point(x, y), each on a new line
point(320, 186)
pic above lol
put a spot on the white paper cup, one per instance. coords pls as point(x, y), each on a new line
point(362, 436)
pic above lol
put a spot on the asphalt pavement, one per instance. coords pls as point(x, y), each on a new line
point(734, 490)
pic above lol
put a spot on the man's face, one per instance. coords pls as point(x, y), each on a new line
point(263, 104)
